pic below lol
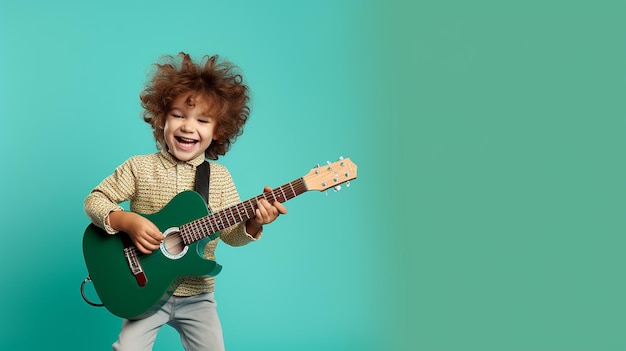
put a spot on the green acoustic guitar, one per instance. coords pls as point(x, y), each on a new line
point(133, 285)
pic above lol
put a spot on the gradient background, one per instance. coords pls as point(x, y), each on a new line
point(489, 209)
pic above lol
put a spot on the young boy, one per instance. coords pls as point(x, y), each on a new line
point(196, 111)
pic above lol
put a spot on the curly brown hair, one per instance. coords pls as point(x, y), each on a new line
point(217, 80)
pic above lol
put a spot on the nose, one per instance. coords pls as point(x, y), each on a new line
point(186, 126)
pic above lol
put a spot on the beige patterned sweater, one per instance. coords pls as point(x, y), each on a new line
point(149, 182)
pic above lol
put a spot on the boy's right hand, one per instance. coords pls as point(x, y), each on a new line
point(144, 234)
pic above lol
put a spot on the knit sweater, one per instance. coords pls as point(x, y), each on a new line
point(149, 182)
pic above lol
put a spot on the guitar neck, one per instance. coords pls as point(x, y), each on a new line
point(208, 226)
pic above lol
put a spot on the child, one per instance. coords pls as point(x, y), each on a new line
point(196, 110)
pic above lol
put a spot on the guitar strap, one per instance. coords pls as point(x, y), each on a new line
point(202, 180)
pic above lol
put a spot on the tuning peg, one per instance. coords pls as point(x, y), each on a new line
point(348, 184)
point(340, 158)
point(337, 188)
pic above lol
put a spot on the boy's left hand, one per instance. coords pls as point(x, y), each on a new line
point(265, 213)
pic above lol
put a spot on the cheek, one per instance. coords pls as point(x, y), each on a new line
point(168, 126)
point(215, 133)
point(166, 132)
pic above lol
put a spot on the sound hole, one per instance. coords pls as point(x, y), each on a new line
point(174, 243)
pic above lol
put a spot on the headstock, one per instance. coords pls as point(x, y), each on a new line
point(331, 175)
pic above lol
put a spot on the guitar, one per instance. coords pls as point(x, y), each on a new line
point(134, 285)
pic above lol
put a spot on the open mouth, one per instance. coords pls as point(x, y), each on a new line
point(186, 141)
point(186, 144)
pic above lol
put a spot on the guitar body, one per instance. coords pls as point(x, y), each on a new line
point(113, 280)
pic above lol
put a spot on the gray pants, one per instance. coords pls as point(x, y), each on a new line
point(195, 318)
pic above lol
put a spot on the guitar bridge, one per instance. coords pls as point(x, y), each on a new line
point(135, 267)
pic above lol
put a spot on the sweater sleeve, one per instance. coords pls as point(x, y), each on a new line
point(223, 187)
point(106, 197)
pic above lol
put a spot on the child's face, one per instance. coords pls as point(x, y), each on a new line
point(189, 126)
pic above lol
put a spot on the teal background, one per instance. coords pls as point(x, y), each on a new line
point(488, 212)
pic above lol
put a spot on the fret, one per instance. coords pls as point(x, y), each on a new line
point(249, 208)
point(232, 215)
point(292, 189)
point(196, 230)
point(213, 230)
point(183, 235)
point(192, 231)
point(199, 229)
point(238, 207)
point(205, 229)
point(224, 221)
point(217, 221)
point(194, 227)
point(227, 219)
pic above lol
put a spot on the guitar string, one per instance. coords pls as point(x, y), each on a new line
point(222, 219)
point(197, 229)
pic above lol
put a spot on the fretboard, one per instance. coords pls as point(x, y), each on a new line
point(209, 225)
